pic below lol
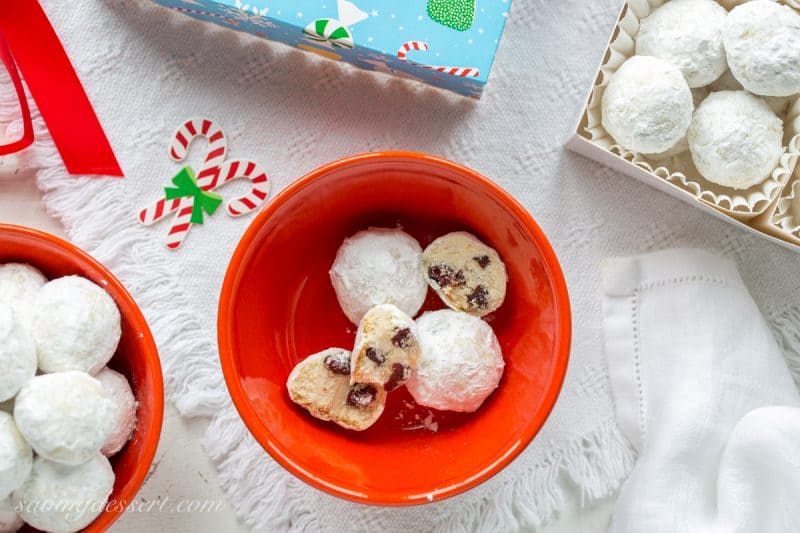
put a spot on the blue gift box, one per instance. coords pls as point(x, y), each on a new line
point(445, 43)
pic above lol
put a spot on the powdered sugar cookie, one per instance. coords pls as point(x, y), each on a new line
point(19, 285)
point(17, 354)
point(461, 362)
point(321, 384)
point(762, 42)
point(735, 139)
point(386, 348)
point(16, 457)
point(467, 274)
point(62, 498)
point(688, 34)
point(378, 266)
point(647, 105)
point(66, 417)
point(119, 391)
point(76, 326)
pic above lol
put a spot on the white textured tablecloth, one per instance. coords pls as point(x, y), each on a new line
point(146, 70)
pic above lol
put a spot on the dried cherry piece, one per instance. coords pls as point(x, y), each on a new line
point(400, 374)
point(482, 260)
point(403, 338)
point(479, 298)
point(445, 275)
point(375, 356)
point(338, 364)
point(361, 395)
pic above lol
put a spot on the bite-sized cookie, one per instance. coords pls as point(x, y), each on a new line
point(119, 391)
point(386, 348)
point(735, 139)
point(17, 354)
point(378, 266)
point(10, 521)
point(762, 42)
point(461, 362)
point(467, 274)
point(66, 417)
point(688, 34)
point(16, 456)
point(64, 499)
point(647, 105)
point(76, 326)
point(320, 383)
point(19, 285)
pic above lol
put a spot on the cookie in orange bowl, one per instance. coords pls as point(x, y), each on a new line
point(135, 358)
point(278, 306)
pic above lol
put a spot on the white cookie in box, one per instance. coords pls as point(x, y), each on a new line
point(687, 34)
point(735, 139)
point(647, 106)
point(762, 42)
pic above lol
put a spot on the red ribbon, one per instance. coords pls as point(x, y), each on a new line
point(28, 42)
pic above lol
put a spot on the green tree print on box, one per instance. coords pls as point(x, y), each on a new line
point(455, 14)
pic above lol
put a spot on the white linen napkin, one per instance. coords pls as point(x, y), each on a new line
point(702, 391)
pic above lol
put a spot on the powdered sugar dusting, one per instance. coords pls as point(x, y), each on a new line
point(647, 106)
point(461, 362)
point(379, 266)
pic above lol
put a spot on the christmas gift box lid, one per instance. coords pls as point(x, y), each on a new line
point(447, 43)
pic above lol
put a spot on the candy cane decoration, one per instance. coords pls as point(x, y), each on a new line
point(464, 72)
point(178, 149)
point(241, 168)
point(214, 173)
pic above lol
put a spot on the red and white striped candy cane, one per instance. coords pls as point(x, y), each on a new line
point(464, 72)
point(213, 173)
point(230, 170)
point(178, 149)
point(180, 224)
point(243, 168)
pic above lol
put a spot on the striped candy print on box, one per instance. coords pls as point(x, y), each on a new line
point(463, 72)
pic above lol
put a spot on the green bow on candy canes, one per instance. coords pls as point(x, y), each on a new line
point(186, 186)
point(191, 197)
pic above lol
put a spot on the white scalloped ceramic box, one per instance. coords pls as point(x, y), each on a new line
point(770, 209)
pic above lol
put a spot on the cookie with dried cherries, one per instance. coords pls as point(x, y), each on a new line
point(321, 385)
point(467, 274)
point(386, 349)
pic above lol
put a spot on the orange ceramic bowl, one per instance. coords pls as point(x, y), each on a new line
point(136, 357)
point(278, 306)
